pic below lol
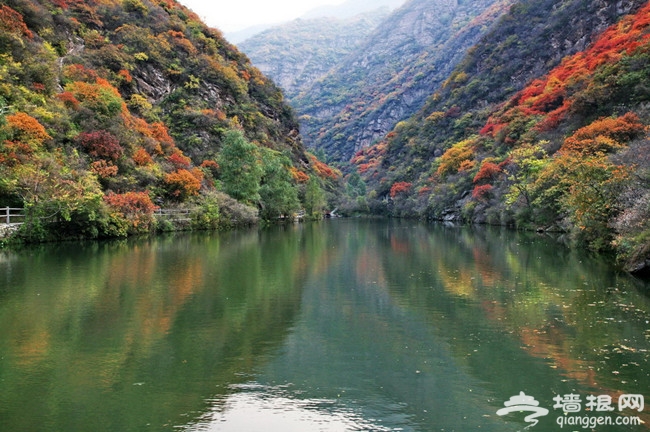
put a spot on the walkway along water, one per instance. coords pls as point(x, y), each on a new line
point(10, 220)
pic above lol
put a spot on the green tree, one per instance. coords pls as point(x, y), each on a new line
point(278, 193)
point(525, 163)
point(241, 171)
point(314, 198)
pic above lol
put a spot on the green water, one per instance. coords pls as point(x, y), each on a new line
point(344, 325)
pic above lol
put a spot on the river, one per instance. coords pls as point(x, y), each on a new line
point(343, 325)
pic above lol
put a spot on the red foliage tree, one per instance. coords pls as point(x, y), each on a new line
point(131, 202)
point(136, 207)
point(482, 192)
point(399, 188)
point(68, 100)
point(101, 144)
point(12, 22)
point(179, 160)
point(487, 172)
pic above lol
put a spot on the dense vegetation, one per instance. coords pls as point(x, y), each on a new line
point(565, 149)
point(110, 109)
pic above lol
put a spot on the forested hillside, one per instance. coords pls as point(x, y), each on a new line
point(391, 74)
point(111, 108)
point(543, 125)
point(297, 54)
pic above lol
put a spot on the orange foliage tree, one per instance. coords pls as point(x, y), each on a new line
point(136, 207)
point(141, 157)
point(27, 129)
point(604, 135)
point(183, 184)
point(100, 97)
point(452, 160)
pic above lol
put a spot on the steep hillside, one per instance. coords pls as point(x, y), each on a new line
point(110, 106)
point(391, 74)
point(297, 54)
point(564, 151)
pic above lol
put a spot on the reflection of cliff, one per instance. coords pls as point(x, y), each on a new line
point(360, 349)
point(526, 302)
point(112, 336)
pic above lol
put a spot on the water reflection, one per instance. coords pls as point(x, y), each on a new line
point(345, 325)
point(253, 407)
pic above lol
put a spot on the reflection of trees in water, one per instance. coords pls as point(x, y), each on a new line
point(143, 332)
point(570, 311)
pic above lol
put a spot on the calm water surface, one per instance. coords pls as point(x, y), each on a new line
point(343, 325)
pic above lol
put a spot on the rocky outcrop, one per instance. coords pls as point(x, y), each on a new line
point(8, 230)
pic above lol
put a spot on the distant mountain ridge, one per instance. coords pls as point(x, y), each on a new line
point(349, 9)
point(298, 53)
point(390, 75)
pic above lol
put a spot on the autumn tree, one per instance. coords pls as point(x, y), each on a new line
point(101, 144)
point(135, 207)
point(183, 184)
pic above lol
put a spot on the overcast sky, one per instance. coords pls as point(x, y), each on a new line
point(234, 15)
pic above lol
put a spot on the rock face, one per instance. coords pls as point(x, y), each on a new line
point(297, 54)
point(388, 78)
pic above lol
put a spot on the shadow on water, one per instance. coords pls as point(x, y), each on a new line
point(136, 335)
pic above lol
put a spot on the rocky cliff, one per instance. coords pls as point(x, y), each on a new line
point(391, 74)
point(299, 53)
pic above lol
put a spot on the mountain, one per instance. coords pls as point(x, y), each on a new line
point(351, 8)
point(237, 37)
point(542, 125)
point(107, 107)
point(297, 54)
point(390, 75)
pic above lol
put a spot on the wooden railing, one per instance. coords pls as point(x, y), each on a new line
point(10, 215)
point(173, 214)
